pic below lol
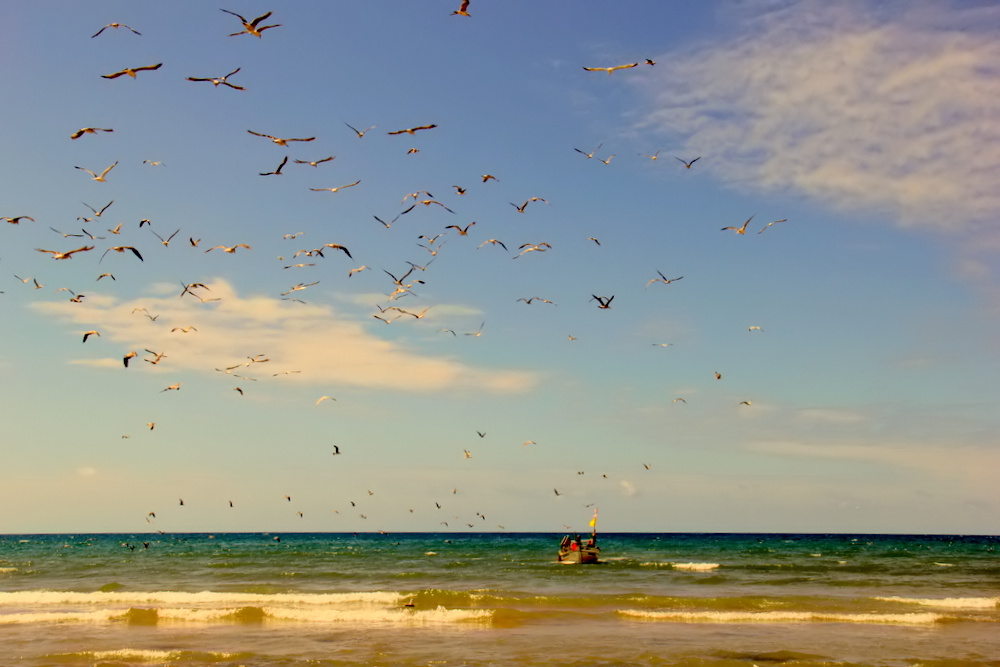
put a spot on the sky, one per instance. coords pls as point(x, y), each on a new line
point(491, 361)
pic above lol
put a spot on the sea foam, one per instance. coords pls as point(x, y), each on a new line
point(778, 617)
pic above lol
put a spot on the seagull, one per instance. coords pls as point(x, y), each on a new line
point(276, 172)
point(97, 213)
point(520, 209)
point(17, 220)
point(315, 163)
point(187, 329)
point(250, 27)
point(324, 398)
point(360, 133)
point(116, 26)
point(754, 328)
point(336, 246)
point(461, 232)
point(121, 248)
point(772, 223)
point(89, 130)
point(477, 332)
point(385, 224)
point(220, 80)
point(740, 230)
point(609, 70)
point(487, 177)
point(229, 249)
point(413, 130)
point(663, 279)
point(607, 161)
point(603, 301)
point(493, 242)
point(535, 298)
point(462, 10)
point(131, 71)
point(107, 275)
point(166, 241)
point(279, 140)
point(655, 156)
point(468, 454)
point(591, 153)
point(89, 334)
point(99, 179)
point(427, 202)
point(687, 163)
point(336, 189)
point(175, 387)
point(528, 247)
point(65, 255)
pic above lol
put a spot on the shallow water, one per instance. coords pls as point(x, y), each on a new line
point(491, 599)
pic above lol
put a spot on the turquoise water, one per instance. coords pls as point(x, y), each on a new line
point(491, 599)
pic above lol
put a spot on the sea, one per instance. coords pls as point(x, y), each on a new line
point(326, 600)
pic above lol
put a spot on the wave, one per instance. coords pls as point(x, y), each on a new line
point(947, 603)
point(780, 617)
point(691, 567)
point(152, 608)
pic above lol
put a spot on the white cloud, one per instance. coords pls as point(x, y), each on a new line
point(896, 112)
point(325, 345)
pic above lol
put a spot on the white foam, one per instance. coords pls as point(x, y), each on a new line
point(947, 603)
point(779, 617)
point(200, 598)
point(696, 567)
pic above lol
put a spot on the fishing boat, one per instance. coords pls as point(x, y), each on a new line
point(573, 550)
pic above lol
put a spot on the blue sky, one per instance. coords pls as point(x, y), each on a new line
point(856, 340)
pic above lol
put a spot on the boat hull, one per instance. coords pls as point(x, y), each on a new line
point(581, 557)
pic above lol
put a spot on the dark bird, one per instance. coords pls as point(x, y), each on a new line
point(687, 163)
point(462, 10)
point(602, 301)
point(89, 334)
point(461, 231)
point(276, 172)
point(131, 71)
point(252, 27)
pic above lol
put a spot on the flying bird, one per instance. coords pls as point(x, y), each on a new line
point(591, 153)
point(324, 398)
point(663, 279)
point(740, 230)
point(220, 80)
point(279, 140)
point(602, 301)
point(315, 163)
point(462, 10)
point(360, 133)
point(17, 220)
point(493, 242)
point(131, 71)
point(687, 163)
point(336, 189)
point(175, 387)
point(65, 255)
point(251, 27)
point(122, 248)
point(99, 178)
point(88, 334)
point(772, 223)
point(413, 130)
point(165, 241)
point(89, 130)
point(116, 26)
point(609, 70)
point(461, 231)
point(276, 172)
point(520, 209)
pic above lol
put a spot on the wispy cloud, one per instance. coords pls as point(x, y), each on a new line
point(894, 110)
point(324, 345)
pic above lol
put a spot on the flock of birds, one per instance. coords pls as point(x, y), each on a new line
point(402, 284)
